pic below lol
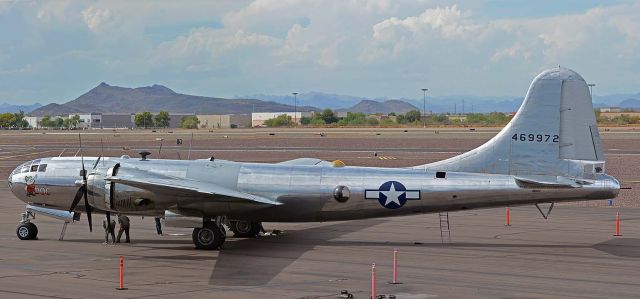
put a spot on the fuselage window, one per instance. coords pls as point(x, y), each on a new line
point(34, 167)
point(42, 168)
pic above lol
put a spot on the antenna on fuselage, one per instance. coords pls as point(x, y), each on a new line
point(64, 149)
point(190, 143)
point(160, 149)
point(102, 151)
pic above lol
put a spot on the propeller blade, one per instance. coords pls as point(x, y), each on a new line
point(83, 189)
point(76, 199)
point(88, 209)
point(84, 171)
point(97, 161)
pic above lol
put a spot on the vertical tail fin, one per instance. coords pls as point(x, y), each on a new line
point(553, 133)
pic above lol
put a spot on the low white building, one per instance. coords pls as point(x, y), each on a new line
point(88, 120)
point(34, 121)
point(258, 118)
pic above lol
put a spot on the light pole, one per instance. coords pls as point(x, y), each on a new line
point(591, 85)
point(424, 107)
point(295, 111)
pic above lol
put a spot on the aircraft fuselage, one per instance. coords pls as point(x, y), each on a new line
point(307, 192)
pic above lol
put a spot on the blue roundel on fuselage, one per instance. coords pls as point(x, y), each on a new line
point(392, 194)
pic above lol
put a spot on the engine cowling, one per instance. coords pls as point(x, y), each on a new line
point(108, 196)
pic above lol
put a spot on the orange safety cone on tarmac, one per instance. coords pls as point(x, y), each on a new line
point(395, 267)
point(373, 281)
point(508, 218)
point(121, 275)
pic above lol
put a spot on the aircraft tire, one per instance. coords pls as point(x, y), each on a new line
point(245, 229)
point(209, 237)
point(27, 231)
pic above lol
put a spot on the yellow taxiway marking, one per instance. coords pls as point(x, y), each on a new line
point(387, 158)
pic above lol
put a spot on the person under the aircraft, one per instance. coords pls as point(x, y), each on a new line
point(124, 227)
point(158, 226)
point(109, 229)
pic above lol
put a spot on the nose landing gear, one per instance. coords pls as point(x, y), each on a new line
point(26, 230)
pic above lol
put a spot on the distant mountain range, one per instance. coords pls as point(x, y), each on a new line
point(105, 98)
point(6, 107)
point(442, 104)
point(386, 107)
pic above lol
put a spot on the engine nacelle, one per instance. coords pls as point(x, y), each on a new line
point(108, 196)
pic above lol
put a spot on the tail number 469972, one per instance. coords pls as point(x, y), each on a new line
point(535, 137)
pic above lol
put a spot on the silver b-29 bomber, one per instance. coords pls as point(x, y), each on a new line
point(549, 152)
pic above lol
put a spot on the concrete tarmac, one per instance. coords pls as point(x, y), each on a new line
point(573, 254)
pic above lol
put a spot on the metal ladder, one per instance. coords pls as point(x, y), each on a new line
point(445, 230)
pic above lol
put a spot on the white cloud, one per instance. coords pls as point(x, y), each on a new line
point(96, 17)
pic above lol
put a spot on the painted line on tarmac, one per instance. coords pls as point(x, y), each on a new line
point(27, 154)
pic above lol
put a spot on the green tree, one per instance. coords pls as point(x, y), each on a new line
point(353, 118)
point(412, 116)
point(7, 120)
point(143, 119)
point(74, 121)
point(45, 122)
point(162, 119)
point(318, 122)
point(19, 121)
point(279, 121)
point(59, 122)
point(328, 116)
point(387, 122)
point(305, 120)
point(189, 122)
point(372, 121)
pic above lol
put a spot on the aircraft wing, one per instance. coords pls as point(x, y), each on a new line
point(306, 161)
point(189, 187)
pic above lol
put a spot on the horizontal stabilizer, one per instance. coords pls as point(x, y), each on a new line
point(189, 186)
point(547, 181)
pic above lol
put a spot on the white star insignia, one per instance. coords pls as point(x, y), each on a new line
point(392, 195)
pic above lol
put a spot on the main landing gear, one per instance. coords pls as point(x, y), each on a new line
point(26, 229)
point(212, 233)
point(211, 236)
point(245, 229)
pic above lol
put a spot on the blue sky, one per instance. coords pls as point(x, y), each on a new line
point(53, 51)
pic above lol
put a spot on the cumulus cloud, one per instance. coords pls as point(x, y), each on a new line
point(96, 17)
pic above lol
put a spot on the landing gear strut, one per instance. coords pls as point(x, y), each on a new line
point(26, 229)
point(211, 236)
point(245, 229)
